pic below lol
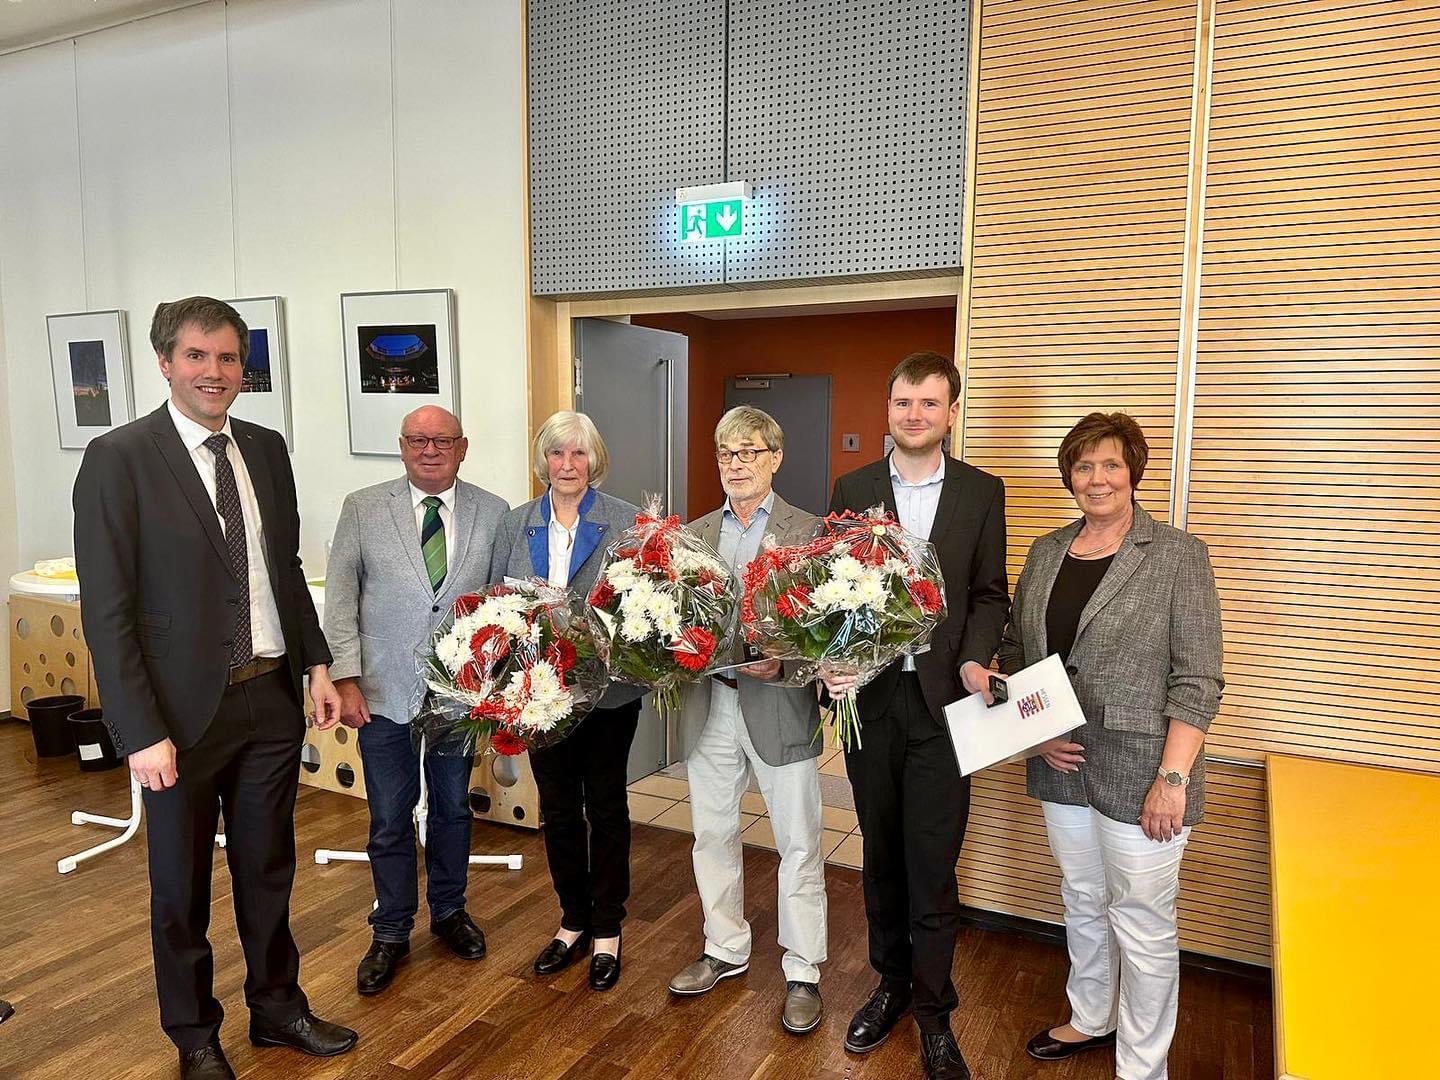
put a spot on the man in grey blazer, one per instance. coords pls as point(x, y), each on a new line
point(737, 724)
point(403, 551)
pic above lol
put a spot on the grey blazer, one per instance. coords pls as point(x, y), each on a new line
point(783, 722)
point(379, 607)
point(522, 550)
point(1147, 650)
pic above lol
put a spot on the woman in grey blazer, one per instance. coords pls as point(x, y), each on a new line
point(1130, 605)
point(562, 537)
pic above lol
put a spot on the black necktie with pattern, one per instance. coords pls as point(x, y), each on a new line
point(227, 504)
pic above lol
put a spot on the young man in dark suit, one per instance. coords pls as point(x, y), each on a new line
point(910, 799)
point(200, 627)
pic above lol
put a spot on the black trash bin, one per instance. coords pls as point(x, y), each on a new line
point(48, 727)
point(92, 741)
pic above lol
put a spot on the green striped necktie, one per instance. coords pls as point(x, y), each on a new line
point(432, 542)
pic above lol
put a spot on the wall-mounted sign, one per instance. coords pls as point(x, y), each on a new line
point(712, 211)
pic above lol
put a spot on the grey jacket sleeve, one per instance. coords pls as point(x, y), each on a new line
point(1012, 642)
point(500, 547)
point(343, 578)
point(1196, 649)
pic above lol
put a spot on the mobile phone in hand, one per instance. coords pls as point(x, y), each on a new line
point(999, 691)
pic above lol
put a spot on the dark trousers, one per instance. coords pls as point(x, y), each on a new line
point(247, 764)
point(911, 803)
point(583, 779)
point(392, 785)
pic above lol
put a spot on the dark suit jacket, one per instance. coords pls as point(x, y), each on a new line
point(969, 538)
point(158, 594)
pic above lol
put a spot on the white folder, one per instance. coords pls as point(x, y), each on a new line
point(1042, 705)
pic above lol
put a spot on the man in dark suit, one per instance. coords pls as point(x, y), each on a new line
point(200, 627)
point(910, 799)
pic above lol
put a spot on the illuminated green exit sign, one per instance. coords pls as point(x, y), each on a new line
point(713, 211)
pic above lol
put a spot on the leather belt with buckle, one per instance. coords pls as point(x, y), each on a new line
point(727, 680)
point(253, 669)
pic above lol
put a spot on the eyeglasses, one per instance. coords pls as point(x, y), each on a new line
point(442, 442)
point(747, 455)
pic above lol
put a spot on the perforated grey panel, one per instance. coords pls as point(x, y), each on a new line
point(626, 105)
point(848, 116)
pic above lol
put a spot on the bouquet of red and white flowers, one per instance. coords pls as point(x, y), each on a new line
point(515, 665)
point(665, 603)
point(851, 601)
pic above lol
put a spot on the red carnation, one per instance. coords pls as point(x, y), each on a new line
point(506, 743)
point(791, 604)
point(655, 557)
point(926, 595)
point(464, 605)
point(603, 594)
point(562, 654)
point(471, 677)
point(489, 643)
point(626, 552)
point(694, 649)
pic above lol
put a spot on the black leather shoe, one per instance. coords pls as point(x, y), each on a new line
point(306, 1033)
point(557, 956)
point(871, 1025)
point(943, 1060)
point(605, 969)
point(377, 969)
point(207, 1063)
point(466, 940)
point(1047, 1048)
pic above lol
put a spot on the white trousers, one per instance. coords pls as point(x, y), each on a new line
point(1119, 888)
point(719, 769)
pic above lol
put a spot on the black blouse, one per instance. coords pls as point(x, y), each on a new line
point(1074, 585)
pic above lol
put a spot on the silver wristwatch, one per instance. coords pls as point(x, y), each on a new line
point(1173, 778)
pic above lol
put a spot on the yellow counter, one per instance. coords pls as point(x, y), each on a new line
point(1356, 894)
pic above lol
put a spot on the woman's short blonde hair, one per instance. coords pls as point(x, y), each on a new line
point(562, 429)
point(741, 422)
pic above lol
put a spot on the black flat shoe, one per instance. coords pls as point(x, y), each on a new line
point(605, 970)
point(466, 940)
point(557, 956)
point(871, 1025)
point(1046, 1048)
point(207, 1063)
point(306, 1033)
point(377, 968)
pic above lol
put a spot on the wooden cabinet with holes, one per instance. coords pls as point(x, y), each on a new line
point(47, 651)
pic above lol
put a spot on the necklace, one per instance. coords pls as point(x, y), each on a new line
point(1108, 544)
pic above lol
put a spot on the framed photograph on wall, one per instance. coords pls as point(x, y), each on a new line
point(90, 364)
point(265, 395)
point(399, 355)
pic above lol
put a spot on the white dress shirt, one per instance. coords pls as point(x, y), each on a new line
point(562, 543)
point(266, 636)
point(917, 504)
point(447, 515)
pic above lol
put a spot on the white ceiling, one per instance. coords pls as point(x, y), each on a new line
point(30, 22)
point(831, 309)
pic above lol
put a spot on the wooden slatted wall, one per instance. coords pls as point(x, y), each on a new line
point(1074, 304)
point(1316, 462)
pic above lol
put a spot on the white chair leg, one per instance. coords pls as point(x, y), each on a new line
point(127, 826)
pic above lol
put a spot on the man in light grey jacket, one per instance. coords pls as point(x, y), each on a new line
point(403, 551)
point(738, 723)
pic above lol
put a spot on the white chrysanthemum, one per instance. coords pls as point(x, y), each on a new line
point(453, 651)
point(621, 574)
point(846, 568)
point(688, 562)
point(635, 628)
point(661, 605)
point(830, 595)
point(669, 624)
point(871, 590)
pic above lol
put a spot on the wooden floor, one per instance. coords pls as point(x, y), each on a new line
point(75, 961)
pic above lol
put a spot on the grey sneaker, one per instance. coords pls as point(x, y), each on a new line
point(703, 974)
point(802, 1011)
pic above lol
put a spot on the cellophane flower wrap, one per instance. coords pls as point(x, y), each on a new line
point(514, 666)
point(851, 601)
point(664, 602)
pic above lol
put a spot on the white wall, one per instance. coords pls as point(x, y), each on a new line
point(9, 536)
point(300, 148)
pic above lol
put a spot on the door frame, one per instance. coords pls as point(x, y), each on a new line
point(551, 330)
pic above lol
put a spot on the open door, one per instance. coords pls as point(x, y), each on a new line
point(633, 382)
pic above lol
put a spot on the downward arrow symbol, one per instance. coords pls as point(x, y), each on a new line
point(727, 218)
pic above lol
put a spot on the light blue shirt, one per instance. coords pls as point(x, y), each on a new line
point(917, 504)
point(738, 543)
